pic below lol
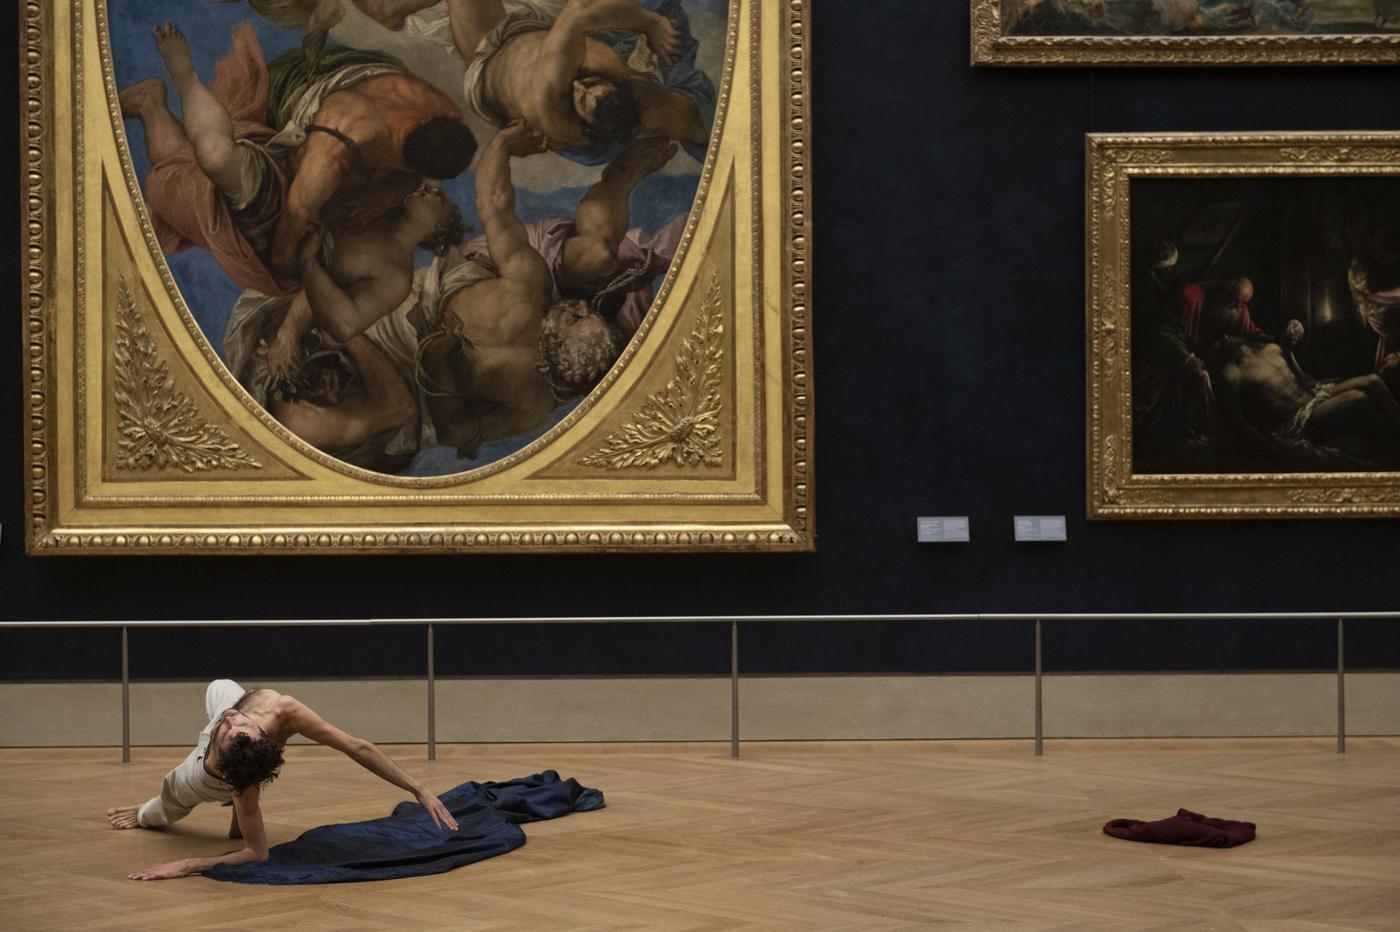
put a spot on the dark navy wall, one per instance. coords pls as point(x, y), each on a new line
point(949, 358)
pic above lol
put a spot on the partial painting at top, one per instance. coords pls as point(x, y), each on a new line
point(1198, 17)
point(418, 232)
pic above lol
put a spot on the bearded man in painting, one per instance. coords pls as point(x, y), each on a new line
point(464, 360)
point(506, 351)
point(334, 388)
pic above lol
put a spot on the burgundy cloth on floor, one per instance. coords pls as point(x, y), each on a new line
point(1184, 828)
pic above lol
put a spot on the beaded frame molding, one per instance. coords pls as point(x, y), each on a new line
point(1115, 489)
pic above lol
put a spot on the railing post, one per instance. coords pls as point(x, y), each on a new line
point(1039, 721)
point(1341, 690)
point(734, 689)
point(432, 701)
point(126, 700)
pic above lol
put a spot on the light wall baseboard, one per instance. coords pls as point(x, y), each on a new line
point(771, 708)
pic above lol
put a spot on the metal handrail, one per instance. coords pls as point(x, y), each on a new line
point(714, 619)
point(733, 621)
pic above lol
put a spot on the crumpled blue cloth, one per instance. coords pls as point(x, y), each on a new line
point(406, 843)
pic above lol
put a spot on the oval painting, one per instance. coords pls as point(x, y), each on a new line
point(418, 232)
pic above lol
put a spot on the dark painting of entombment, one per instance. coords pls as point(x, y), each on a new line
point(1265, 326)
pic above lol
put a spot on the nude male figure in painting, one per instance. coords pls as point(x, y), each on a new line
point(366, 146)
point(572, 88)
point(345, 288)
point(351, 411)
point(507, 355)
point(1261, 391)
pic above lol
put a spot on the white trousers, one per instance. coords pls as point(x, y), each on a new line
point(190, 784)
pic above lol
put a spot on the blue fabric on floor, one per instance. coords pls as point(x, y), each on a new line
point(405, 843)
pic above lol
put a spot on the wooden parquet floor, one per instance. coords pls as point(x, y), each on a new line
point(860, 835)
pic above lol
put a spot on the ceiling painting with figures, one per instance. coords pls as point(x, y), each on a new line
point(418, 233)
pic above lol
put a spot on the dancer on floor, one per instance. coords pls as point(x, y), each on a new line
point(238, 752)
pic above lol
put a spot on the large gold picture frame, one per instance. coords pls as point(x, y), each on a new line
point(1307, 267)
point(139, 440)
point(1244, 41)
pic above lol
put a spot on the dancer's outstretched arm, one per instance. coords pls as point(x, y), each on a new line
point(248, 812)
point(303, 721)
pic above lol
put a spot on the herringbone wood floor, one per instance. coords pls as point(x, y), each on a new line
point(877, 835)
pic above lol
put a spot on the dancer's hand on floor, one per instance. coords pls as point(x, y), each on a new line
point(163, 871)
point(442, 818)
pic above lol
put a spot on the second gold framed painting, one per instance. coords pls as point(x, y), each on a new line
point(1185, 32)
point(416, 275)
point(1244, 325)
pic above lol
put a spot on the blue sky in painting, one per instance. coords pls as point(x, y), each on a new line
point(208, 26)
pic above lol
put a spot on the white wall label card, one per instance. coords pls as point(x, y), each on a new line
point(1041, 527)
point(944, 530)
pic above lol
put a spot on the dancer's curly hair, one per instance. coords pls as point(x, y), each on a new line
point(249, 762)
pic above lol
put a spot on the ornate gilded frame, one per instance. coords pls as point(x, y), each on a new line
point(991, 47)
point(1114, 491)
point(138, 440)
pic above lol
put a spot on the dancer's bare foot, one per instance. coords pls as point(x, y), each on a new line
point(123, 817)
point(139, 98)
point(174, 48)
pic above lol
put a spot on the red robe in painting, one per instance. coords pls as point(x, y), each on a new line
point(1159, 383)
point(1189, 308)
point(186, 208)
